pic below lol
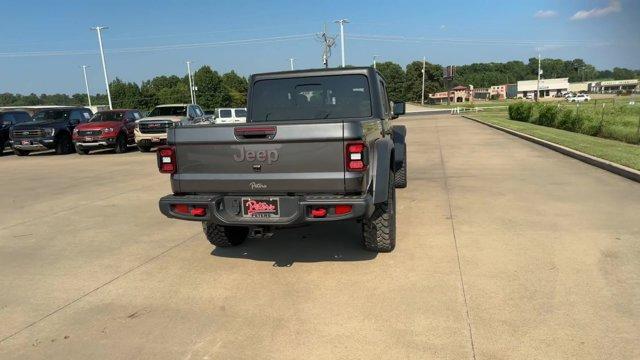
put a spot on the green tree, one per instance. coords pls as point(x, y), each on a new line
point(395, 79)
point(237, 87)
point(211, 92)
point(623, 73)
point(125, 95)
point(413, 80)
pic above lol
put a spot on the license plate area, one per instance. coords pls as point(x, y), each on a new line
point(260, 207)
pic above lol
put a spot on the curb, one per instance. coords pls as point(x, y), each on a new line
point(617, 169)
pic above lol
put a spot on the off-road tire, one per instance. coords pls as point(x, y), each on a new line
point(225, 236)
point(21, 152)
point(121, 144)
point(379, 230)
point(64, 145)
point(81, 151)
point(401, 175)
point(144, 148)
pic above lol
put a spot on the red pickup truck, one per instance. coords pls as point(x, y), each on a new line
point(107, 129)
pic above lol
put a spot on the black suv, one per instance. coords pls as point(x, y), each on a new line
point(50, 129)
point(9, 118)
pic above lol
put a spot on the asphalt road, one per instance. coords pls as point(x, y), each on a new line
point(506, 250)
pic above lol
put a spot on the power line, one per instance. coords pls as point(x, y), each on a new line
point(474, 41)
point(158, 47)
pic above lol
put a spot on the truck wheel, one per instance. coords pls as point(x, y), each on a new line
point(121, 144)
point(20, 152)
point(379, 230)
point(63, 145)
point(143, 148)
point(81, 151)
point(401, 175)
point(225, 236)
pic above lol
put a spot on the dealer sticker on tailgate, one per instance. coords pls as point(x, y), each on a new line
point(260, 208)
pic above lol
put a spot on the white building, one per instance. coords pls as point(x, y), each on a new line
point(548, 87)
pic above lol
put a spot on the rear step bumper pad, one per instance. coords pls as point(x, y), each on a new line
point(225, 210)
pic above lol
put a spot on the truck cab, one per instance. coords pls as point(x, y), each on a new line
point(151, 130)
point(318, 146)
point(51, 129)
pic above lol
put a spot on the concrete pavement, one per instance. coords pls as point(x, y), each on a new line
point(506, 250)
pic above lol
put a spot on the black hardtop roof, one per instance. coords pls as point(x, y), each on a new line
point(363, 70)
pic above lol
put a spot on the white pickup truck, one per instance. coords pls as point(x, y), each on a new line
point(230, 115)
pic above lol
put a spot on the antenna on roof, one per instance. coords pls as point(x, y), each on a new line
point(328, 42)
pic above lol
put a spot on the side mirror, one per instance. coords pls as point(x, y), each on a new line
point(398, 109)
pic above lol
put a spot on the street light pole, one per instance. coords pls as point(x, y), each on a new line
point(291, 60)
point(374, 60)
point(342, 22)
point(538, 85)
point(98, 29)
point(86, 83)
point(424, 63)
point(193, 100)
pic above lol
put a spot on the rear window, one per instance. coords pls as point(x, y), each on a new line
point(241, 113)
point(310, 98)
point(225, 113)
point(169, 111)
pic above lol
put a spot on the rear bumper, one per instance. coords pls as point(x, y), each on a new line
point(226, 210)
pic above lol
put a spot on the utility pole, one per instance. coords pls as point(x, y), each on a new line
point(98, 29)
point(374, 60)
point(86, 83)
point(193, 100)
point(342, 22)
point(424, 64)
point(538, 85)
point(291, 60)
point(328, 42)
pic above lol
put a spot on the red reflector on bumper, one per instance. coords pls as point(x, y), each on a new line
point(318, 212)
point(199, 211)
point(343, 209)
point(181, 208)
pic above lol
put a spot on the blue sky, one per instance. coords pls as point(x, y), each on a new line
point(602, 32)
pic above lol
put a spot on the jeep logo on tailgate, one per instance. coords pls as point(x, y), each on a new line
point(251, 153)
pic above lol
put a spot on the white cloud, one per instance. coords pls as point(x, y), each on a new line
point(442, 27)
point(614, 6)
point(544, 14)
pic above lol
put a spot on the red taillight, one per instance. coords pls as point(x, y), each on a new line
point(167, 159)
point(356, 156)
point(343, 209)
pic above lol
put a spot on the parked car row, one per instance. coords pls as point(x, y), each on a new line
point(65, 129)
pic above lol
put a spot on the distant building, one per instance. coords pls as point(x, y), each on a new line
point(458, 94)
point(630, 85)
point(581, 86)
point(548, 87)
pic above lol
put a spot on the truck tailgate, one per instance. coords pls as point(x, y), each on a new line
point(288, 158)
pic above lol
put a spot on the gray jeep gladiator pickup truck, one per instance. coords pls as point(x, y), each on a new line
point(318, 146)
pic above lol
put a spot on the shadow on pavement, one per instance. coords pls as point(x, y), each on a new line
point(337, 241)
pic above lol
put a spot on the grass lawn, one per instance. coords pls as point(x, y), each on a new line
point(612, 150)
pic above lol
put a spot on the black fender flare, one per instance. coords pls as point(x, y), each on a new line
point(381, 165)
point(399, 134)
